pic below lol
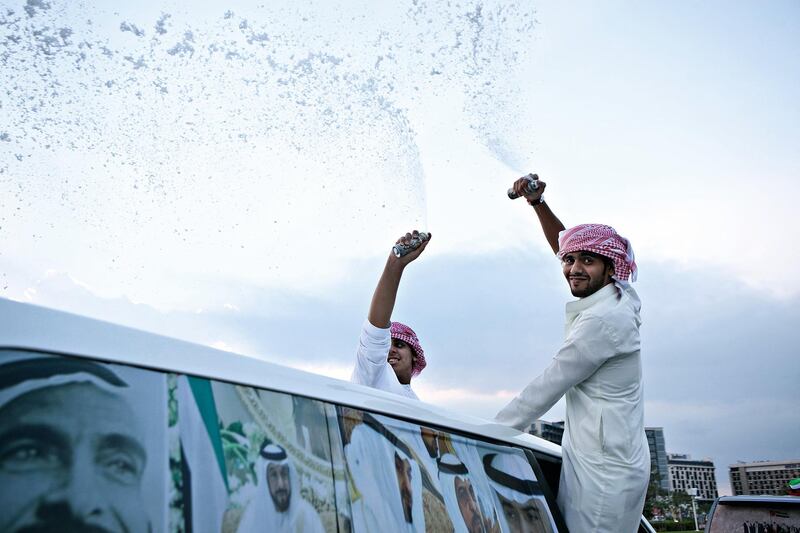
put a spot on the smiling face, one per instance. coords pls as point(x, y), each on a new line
point(74, 458)
point(586, 272)
point(279, 486)
point(401, 359)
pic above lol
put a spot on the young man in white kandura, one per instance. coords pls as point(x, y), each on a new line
point(606, 460)
point(389, 353)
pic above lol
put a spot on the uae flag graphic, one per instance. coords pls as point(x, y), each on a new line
point(205, 481)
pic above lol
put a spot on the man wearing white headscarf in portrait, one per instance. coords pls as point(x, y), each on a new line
point(467, 451)
point(460, 498)
point(61, 422)
point(426, 443)
point(277, 504)
point(423, 443)
point(388, 480)
point(517, 494)
point(408, 489)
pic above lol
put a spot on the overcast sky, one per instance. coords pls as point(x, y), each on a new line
point(234, 174)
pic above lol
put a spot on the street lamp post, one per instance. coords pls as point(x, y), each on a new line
point(693, 493)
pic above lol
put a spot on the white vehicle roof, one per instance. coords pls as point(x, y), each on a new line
point(29, 327)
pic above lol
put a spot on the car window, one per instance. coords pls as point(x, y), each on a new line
point(279, 460)
point(89, 444)
point(82, 444)
point(426, 479)
point(755, 517)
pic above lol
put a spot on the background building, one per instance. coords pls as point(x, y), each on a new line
point(658, 457)
point(552, 431)
point(763, 477)
point(686, 473)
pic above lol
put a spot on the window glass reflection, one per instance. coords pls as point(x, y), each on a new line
point(423, 479)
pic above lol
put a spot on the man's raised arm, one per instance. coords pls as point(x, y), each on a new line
point(551, 225)
point(380, 310)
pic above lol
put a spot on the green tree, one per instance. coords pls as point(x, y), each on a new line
point(657, 498)
point(681, 504)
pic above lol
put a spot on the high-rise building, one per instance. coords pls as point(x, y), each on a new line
point(763, 477)
point(552, 431)
point(658, 457)
point(686, 473)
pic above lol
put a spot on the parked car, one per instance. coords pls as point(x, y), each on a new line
point(778, 514)
point(106, 426)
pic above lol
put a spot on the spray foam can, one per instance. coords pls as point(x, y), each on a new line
point(533, 184)
point(416, 240)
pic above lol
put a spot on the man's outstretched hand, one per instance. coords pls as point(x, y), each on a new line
point(380, 310)
point(412, 255)
point(551, 225)
point(521, 188)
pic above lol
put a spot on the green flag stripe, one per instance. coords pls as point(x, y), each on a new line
point(204, 398)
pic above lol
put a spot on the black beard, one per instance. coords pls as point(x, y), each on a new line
point(59, 518)
point(477, 524)
point(405, 496)
point(282, 508)
point(74, 526)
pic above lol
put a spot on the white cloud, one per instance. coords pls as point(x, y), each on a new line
point(718, 391)
point(435, 394)
point(281, 201)
point(473, 402)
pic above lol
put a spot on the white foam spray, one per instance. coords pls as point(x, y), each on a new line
point(161, 144)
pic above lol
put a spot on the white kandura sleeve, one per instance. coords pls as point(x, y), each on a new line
point(589, 344)
point(373, 347)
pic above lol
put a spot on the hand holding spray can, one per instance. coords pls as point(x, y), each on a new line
point(533, 184)
point(416, 241)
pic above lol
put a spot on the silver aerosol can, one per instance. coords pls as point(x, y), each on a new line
point(416, 240)
point(533, 184)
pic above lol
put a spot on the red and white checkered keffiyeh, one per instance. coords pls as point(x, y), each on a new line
point(602, 240)
point(407, 335)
